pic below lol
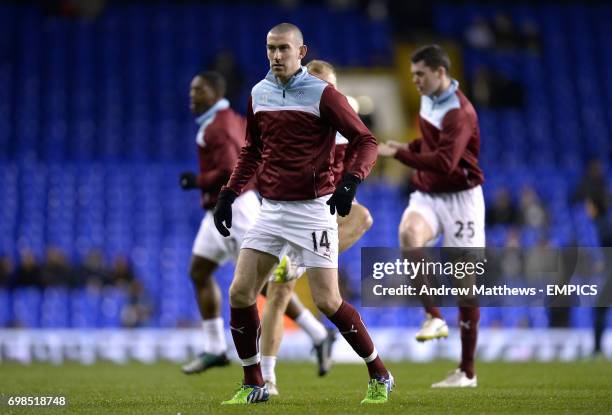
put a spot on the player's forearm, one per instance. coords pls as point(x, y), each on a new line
point(364, 156)
point(438, 162)
point(243, 172)
point(415, 145)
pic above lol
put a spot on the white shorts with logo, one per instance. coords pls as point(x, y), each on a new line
point(459, 216)
point(210, 244)
point(304, 226)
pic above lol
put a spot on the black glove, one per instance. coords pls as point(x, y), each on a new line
point(342, 198)
point(188, 180)
point(223, 211)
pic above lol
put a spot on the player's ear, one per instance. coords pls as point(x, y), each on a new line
point(441, 71)
point(303, 50)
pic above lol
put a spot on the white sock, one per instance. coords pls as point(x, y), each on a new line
point(313, 327)
point(268, 363)
point(214, 336)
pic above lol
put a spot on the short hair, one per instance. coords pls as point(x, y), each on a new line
point(433, 56)
point(319, 67)
point(283, 28)
point(215, 80)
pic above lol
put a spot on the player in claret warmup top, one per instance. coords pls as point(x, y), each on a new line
point(449, 198)
point(280, 289)
point(292, 119)
point(219, 139)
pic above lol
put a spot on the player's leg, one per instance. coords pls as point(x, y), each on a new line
point(469, 316)
point(326, 295)
point(352, 227)
point(463, 225)
point(471, 204)
point(417, 228)
point(465, 376)
point(281, 300)
point(252, 268)
point(599, 325)
point(208, 294)
point(209, 250)
point(600, 310)
point(208, 298)
point(278, 296)
point(414, 231)
point(322, 338)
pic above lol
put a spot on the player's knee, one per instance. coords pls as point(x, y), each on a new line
point(365, 220)
point(328, 306)
point(200, 276)
point(359, 223)
point(279, 294)
point(405, 237)
point(241, 296)
point(411, 235)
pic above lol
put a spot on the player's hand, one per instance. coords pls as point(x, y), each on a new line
point(342, 198)
point(386, 150)
point(223, 211)
point(188, 180)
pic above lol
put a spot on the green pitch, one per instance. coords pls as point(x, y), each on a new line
point(504, 388)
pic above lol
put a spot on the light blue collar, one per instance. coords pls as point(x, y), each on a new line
point(219, 105)
point(444, 95)
point(299, 75)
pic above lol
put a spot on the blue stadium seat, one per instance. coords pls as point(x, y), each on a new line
point(581, 317)
point(84, 307)
point(111, 303)
point(26, 307)
point(5, 307)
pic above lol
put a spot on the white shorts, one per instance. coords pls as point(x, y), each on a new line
point(210, 244)
point(305, 226)
point(458, 216)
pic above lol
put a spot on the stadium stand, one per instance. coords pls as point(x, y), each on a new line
point(81, 169)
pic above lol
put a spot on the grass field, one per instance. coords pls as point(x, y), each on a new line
point(504, 388)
